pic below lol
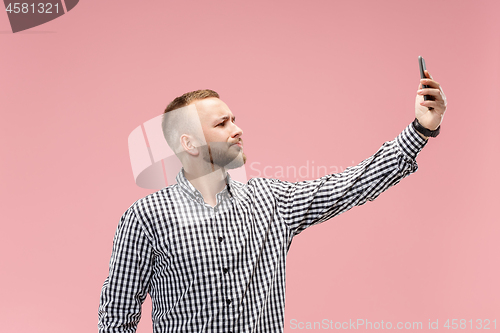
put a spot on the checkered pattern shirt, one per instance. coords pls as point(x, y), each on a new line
point(222, 268)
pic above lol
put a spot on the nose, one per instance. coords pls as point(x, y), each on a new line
point(237, 132)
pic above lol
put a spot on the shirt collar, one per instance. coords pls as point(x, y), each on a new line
point(191, 191)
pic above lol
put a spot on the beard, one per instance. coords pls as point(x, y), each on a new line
point(224, 155)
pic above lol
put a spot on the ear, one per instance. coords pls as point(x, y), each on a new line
point(189, 144)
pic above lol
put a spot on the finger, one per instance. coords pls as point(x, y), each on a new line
point(431, 105)
point(427, 74)
point(438, 105)
point(431, 83)
point(429, 91)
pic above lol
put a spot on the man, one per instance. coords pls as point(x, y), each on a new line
point(211, 251)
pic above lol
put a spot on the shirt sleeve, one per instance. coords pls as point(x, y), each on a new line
point(127, 284)
point(306, 203)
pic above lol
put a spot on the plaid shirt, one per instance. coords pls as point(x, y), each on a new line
point(222, 268)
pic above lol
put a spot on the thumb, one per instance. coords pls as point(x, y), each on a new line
point(428, 74)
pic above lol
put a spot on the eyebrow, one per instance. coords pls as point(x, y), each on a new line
point(225, 118)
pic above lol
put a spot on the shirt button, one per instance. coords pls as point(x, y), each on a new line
point(228, 301)
point(225, 270)
point(221, 239)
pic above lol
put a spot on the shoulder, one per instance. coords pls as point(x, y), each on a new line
point(149, 211)
point(148, 206)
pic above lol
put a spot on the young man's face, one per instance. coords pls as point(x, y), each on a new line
point(221, 134)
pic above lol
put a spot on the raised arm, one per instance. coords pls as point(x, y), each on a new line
point(302, 204)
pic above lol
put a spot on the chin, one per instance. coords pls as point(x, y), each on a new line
point(239, 161)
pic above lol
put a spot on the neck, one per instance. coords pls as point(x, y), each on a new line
point(208, 182)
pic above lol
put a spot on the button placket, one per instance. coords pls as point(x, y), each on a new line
point(226, 260)
point(224, 267)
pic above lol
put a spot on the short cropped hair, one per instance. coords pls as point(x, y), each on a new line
point(174, 124)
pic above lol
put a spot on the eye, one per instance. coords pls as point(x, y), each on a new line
point(220, 124)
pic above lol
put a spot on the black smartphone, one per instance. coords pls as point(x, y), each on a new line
point(421, 63)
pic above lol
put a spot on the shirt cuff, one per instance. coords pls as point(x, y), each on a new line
point(410, 142)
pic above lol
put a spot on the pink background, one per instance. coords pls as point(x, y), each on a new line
point(322, 81)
